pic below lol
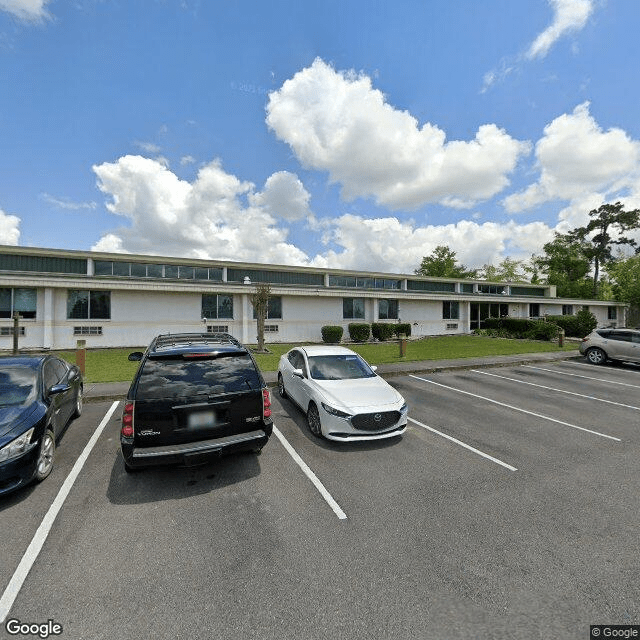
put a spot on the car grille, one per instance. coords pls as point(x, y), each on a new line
point(375, 421)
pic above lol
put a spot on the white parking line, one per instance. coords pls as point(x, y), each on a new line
point(509, 406)
point(577, 375)
point(34, 548)
point(312, 476)
point(570, 393)
point(462, 444)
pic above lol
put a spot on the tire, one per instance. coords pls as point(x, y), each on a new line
point(281, 390)
point(596, 355)
point(77, 412)
point(46, 456)
point(313, 420)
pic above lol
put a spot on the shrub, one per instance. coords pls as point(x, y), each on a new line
point(402, 327)
point(578, 326)
point(359, 331)
point(382, 330)
point(332, 334)
point(541, 330)
point(521, 328)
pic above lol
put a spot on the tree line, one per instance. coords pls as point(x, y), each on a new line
point(587, 262)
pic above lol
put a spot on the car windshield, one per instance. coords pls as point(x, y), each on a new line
point(16, 385)
point(339, 367)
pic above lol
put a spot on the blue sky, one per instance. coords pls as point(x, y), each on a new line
point(347, 134)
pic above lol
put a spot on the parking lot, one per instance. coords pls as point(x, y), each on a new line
point(509, 509)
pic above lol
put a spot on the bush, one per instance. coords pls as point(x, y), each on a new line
point(578, 326)
point(521, 328)
point(542, 330)
point(331, 334)
point(382, 330)
point(359, 331)
point(402, 327)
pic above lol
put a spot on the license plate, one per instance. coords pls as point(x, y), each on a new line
point(201, 420)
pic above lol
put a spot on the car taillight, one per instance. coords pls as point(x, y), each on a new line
point(266, 403)
point(127, 420)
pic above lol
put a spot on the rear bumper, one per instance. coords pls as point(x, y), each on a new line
point(192, 453)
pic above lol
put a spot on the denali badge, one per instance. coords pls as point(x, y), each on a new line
point(149, 432)
point(254, 419)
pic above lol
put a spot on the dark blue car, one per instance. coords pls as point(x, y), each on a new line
point(38, 397)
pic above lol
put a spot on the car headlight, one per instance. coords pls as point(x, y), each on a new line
point(335, 412)
point(16, 447)
point(404, 408)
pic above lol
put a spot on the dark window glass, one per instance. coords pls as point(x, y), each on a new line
point(86, 305)
point(202, 273)
point(185, 273)
point(534, 310)
point(567, 309)
point(17, 384)
point(353, 308)
point(388, 309)
point(100, 305)
point(154, 271)
point(621, 336)
point(171, 271)
point(25, 302)
point(5, 303)
point(217, 306)
point(612, 313)
point(138, 270)
point(173, 378)
point(77, 304)
point(121, 269)
point(451, 310)
point(466, 288)
point(225, 307)
point(102, 268)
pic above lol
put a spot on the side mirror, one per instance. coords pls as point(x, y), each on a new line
point(136, 356)
point(58, 388)
point(374, 367)
point(298, 372)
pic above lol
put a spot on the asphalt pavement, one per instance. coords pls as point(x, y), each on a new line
point(100, 392)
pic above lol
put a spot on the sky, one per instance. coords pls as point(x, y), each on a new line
point(348, 134)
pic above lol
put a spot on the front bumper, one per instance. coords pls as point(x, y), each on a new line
point(354, 436)
point(191, 453)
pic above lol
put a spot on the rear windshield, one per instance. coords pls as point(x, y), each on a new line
point(177, 378)
point(17, 384)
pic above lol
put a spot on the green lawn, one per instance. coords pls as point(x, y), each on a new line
point(111, 365)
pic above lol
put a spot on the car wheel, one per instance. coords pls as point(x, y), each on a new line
point(596, 356)
point(281, 390)
point(79, 399)
point(313, 420)
point(45, 456)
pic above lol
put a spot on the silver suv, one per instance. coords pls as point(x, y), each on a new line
point(601, 345)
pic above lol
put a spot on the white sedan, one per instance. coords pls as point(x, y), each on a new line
point(343, 397)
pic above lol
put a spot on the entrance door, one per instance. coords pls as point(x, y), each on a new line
point(480, 311)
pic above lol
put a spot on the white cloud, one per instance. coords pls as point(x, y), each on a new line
point(27, 10)
point(185, 160)
point(208, 218)
point(66, 203)
point(147, 147)
point(568, 16)
point(284, 196)
point(337, 122)
point(9, 228)
point(387, 244)
point(577, 158)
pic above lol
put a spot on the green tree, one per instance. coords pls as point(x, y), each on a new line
point(442, 264)
point(624, 275)
point(605, 230)
point(565, 265)
point(508, 270)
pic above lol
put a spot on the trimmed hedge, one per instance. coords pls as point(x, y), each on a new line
point(359, 331)
point(578, 326)
point(402, 327)
point(522, 328)
point(382, 330)
point(331, 334)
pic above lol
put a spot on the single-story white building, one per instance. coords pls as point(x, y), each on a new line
point(124, 300)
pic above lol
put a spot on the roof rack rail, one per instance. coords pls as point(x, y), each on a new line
point(188, 338)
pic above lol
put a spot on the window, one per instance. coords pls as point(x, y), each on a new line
point(388, 309)
point(87, 331)
point(451, 310)
point(567, 309)
point(534, 310)
point(271, 328)
point(612, 313)
point(8, 331)
point(88, 305)
point(217, 306)
point(274, 308)
point(353, 308)
point(491, 288)
point(22, 301)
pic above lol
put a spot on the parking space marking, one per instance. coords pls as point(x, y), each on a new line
point(577, 375)
point(463, 444)
point(312, 476)
point(570, 393)
point(509, 406)
point(36, 544)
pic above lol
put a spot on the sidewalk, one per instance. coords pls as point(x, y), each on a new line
point(104, 391)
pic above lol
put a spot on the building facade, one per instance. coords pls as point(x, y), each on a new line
point(124, 300)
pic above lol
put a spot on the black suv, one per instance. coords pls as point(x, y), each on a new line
point(193, 398)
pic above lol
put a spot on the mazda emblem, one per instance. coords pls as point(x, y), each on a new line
point(377, 417)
